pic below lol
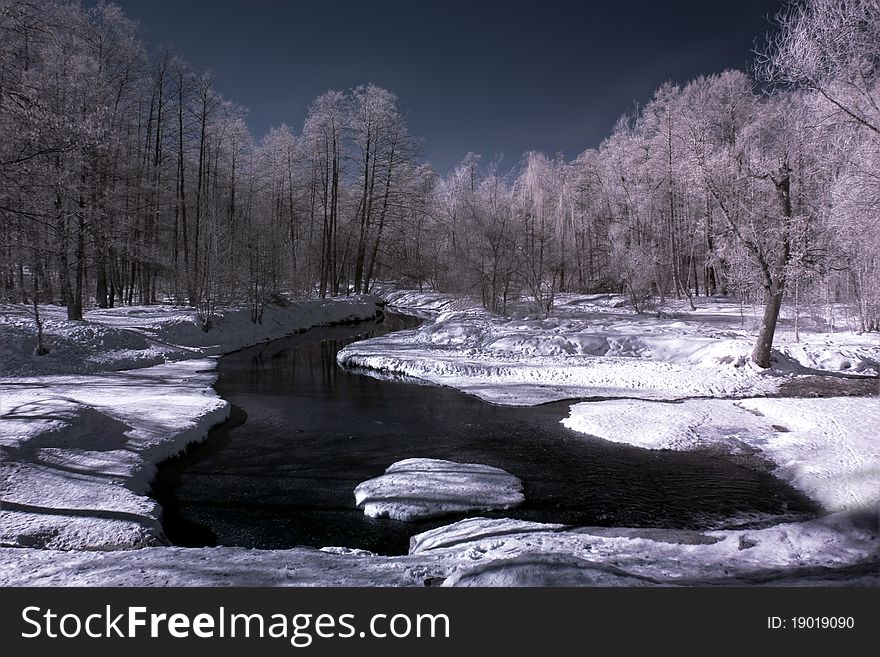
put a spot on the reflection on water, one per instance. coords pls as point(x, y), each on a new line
point(304, 433)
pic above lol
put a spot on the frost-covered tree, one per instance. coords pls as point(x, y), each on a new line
point(126, 178)
point(831, 50)
point(380, 150)
point(543, 209)
point(830, 47)
point(323, 135)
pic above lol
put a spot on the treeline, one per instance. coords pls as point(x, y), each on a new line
point(126, 178)
point(763, 188)
point(712, 188)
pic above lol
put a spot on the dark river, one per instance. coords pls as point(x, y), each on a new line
point(303, 433)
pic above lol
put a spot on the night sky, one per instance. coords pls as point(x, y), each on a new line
point(497, 78)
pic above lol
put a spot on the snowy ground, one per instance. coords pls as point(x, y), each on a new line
point(840, 549)
point(142, 336)
point(827, 448)
point(72, 489)
point(78, 453)
point(594, 346)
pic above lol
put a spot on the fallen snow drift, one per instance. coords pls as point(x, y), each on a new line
point(595, 347)
point(425, 488)
point(827, 448)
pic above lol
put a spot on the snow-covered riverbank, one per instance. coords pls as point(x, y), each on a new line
point(78, 449)
point(72, 489)
point(142, 336)
point(78, 453)
point(828, 448)
point(594, 346)
point(835, 550)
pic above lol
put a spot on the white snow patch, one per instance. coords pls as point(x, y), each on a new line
point(831, 449)
point(78, 453)
point(495, 552)
point(825, 447)
point(425, 488)
point(142, 336)
point(473, 529)
point(840, 549)
point(593, 347)
point(543, 569)
point(170, 566)
point(684, 425)
point(424, 303)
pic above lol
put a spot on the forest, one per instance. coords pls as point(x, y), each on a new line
point(128, 179)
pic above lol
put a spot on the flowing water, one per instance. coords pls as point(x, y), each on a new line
point(303, 433)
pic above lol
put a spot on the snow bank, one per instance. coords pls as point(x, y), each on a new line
point(825, 447)
point(475, 529)
point(685, 425)
point(142, 336)
point(535, 379)
point(425, 488)
point(828, 448)
point(423, 304)
point(835, 550)
point(497, 552)
point(543, 569)
point(78, 453)
point(169, 566)
point(594, 347)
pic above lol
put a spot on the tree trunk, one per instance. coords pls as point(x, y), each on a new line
point(75, 311)
point(333, 277)
point(774, 283)
point(764, 344)
point(42, 350)
point(364, 211)
point(181, 181)
point(101, 287)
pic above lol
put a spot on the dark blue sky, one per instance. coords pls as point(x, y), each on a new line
point(493, 77)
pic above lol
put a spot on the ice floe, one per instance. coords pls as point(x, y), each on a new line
point(425, 488)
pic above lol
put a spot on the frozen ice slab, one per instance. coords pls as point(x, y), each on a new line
point(413, 489)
